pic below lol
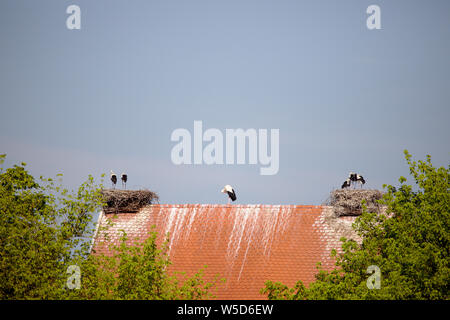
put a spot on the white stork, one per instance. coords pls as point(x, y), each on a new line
point(360, 179)
point(346, 183)
point(124, 178)
point(230, 191)
point(352, 179)
point(113, 179)
point(352, 176)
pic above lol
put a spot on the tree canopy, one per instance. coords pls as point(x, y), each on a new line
point(45, 236)
point(138, 271)
point(408, 245)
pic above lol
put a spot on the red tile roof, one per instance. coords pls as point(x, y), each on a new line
point(246, 244)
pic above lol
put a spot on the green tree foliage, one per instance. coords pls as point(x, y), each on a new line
point(44, 229)
point(138, 271)
point(409, 243)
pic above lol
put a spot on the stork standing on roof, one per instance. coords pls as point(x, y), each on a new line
point(124, 178)
point(113, 179)
point(230, 191)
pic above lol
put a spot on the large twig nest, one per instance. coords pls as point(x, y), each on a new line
point(347, 202)
point(127, 200)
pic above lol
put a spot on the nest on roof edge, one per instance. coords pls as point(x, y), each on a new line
point(127, 200)
point(347, 202)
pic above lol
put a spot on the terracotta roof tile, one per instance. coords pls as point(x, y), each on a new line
point(246, 244)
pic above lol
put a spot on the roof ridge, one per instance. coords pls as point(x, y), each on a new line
point(165, 205)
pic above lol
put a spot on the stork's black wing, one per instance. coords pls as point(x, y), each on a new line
point(232, 195)
point(346, 184)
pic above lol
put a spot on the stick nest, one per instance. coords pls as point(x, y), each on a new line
point(127, 200)
point(347, 202)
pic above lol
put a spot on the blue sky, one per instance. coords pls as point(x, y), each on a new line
point(108, 96)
